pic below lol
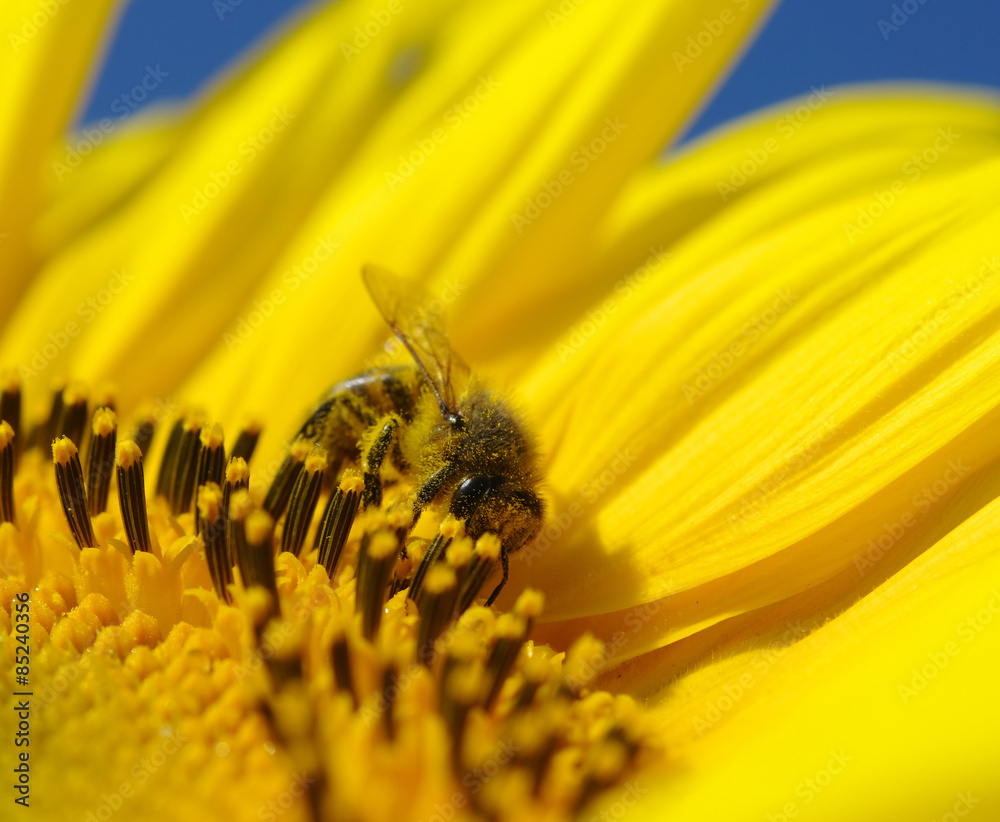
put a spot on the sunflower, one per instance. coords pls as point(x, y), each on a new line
point(762, 371)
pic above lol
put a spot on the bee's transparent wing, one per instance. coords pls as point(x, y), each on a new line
point(408, 311)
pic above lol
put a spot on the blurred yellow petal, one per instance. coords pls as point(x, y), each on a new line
point(387, 209)
point(43, 70)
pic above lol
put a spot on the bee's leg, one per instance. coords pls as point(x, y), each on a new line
point(345, 413)
point(429, 490)
point(374, 456)
point(499, 588)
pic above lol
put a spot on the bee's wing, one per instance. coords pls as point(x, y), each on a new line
point(406, 308)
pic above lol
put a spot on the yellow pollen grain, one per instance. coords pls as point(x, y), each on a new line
point(459, 553)
point(439, 579)
point(510, 626)
point(75, 393)
point(210, 501)
point(316, 461)
point(6, 434)
point(237, 471)
point(212, 437)
point(452, 528)
point(530, 604)
point(63, 451)
point(382, 545)
point(465, 684)
point(258, 527)
point(127, 454)
point(351, 482)
point(488, 547)
point(105, 422)
point(301, 449)
point(240, 505)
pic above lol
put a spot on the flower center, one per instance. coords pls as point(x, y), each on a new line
point(358, 679)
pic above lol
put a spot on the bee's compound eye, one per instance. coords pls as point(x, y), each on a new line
point(470, 494)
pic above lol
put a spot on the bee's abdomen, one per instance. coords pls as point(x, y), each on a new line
point(354, 405)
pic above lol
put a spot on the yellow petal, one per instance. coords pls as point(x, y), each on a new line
point(43, 68)
point(896, 691)
point(735, 434)
point(521, 116)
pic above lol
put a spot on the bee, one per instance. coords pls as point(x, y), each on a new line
point(456, 440)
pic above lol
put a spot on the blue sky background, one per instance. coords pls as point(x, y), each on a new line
point(805, 43)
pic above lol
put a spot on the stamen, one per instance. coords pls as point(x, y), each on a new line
point(375, 560)
point(450, 529)
point(73, 416)
point(10, 406)
point(334, 528)
point(246, 442)
point(487, 551)
point(45, 432)
point(302, 505)
point(132, 495)
point(145, 427)
point(182, 482)
point(101, 459)
point(259, 530)
point(213, 534)
point(341, 658)
point(237, 479)
point(437, 603)
point(511, 632)
point(6, 472)
point(211, 463)
point(288, 474)
point(169, 461)
point(69, 477)
point(464, 685)
point(250, 534)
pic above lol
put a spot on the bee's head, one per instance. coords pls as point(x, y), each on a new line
point(496, 504)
